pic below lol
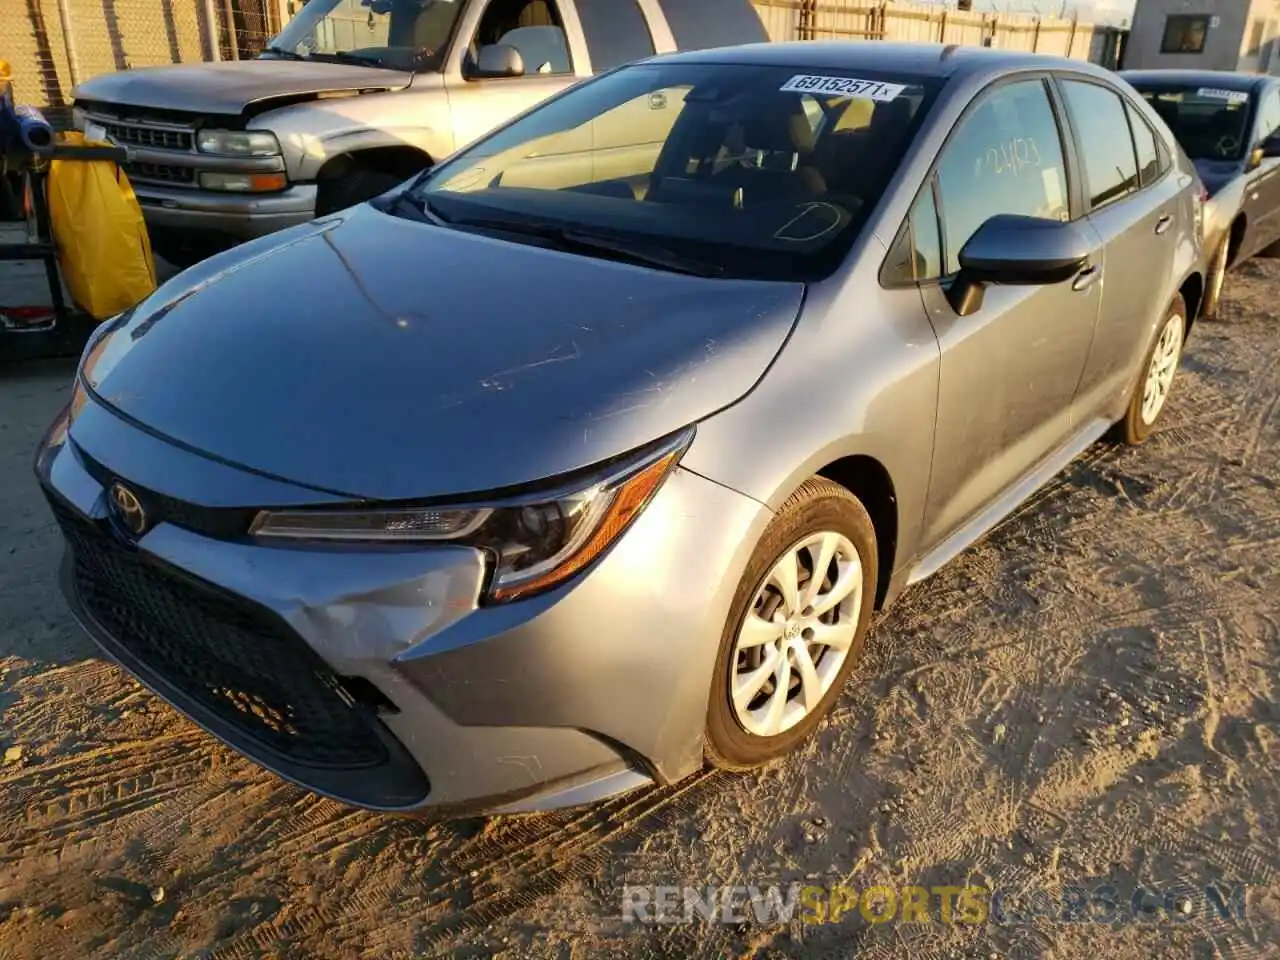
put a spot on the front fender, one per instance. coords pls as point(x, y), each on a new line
point(312, 133)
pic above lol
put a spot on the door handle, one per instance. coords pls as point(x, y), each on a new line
point(1163, 225)
point(1086, 278)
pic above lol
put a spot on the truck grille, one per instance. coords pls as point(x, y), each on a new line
point(154, 138)
point(235, 660)
point(161, 173)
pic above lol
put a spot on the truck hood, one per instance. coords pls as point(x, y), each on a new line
point(381, 358)
point(230, 88)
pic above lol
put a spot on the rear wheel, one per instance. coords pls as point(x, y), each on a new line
point(1156, 379)
point(796, 627)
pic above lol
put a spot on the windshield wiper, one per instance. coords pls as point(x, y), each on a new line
point(416, 205)
point(614, 248)
point(344, 57)
point(281, 52)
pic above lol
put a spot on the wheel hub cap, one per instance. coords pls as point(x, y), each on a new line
point(1164, 364)
point(797, 634)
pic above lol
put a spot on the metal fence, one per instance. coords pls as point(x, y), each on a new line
point(54, 44)
point(923, 23)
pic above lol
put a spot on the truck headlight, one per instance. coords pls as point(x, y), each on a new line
point(533, 543)
point(238, 143)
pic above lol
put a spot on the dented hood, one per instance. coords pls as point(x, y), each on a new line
point(232, 87)
point(389, 359)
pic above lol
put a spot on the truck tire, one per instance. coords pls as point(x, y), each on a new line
point(353, 187)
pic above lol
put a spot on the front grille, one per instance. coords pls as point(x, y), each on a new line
point(233, 659)
point(153, 138)
point(160, 173)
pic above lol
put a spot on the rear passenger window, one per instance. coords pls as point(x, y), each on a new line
point(616, 30)
point(699, 24)
point(1144, 142)
point(1098, 117)
point(1005, 157)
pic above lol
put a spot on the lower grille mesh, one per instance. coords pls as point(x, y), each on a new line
point(221, 653)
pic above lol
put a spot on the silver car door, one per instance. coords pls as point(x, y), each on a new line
point(1009, 371)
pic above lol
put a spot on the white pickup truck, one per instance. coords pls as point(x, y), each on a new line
point(355, 96)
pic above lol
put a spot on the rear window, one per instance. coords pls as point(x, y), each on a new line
point(700, 24)
point(1210, 123)
point(616, 30)
point(759, 171)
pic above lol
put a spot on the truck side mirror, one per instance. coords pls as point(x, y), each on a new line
point(499, 60)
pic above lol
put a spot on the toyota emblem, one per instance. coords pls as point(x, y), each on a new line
point(128, 509)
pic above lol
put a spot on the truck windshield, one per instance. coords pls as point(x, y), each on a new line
point(401, 34)
point(757, 171)
point(1210, 124)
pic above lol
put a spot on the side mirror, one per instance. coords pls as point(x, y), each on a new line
point(499, 60)
point(1026, 251)
point(1271, 146)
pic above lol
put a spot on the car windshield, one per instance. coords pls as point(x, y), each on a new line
point(748, 170)
point(402, 34)
point(1210, 124)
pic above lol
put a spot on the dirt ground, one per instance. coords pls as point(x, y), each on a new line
point(1087, 697)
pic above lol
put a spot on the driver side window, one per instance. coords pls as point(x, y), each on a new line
point(1269, 115)
point(1004, 157)
point(533, 28)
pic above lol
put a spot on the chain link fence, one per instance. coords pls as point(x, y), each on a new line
point(54, 44)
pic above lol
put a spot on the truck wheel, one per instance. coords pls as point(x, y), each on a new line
point(352, 188)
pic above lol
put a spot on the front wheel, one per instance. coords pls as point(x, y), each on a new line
point(1156, 379)
point(796, 627)
point(352, 188)
point(1217, 277)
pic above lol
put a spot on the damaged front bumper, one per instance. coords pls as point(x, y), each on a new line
point(374, 676)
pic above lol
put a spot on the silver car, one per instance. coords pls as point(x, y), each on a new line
point(566, 469)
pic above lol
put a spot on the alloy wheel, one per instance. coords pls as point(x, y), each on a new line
point(1163, 366)
point(797, 634)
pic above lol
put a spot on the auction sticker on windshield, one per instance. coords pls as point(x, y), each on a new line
point(843, 87)
point(1231, 96)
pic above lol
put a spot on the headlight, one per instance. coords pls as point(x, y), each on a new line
point(238, 143)
point(534, 543)
point(244, 182)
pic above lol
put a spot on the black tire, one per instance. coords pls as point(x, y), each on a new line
point(819, 505)
point(1217, 276)
point(354, 187)
point(1133, 429)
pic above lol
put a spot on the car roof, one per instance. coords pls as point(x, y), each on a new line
point(916, 59)
point(1222, 79)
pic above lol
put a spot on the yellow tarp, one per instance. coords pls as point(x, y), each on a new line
point(102, 241)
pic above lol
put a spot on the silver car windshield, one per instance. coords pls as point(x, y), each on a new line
point(402, 34)
point(760, 171)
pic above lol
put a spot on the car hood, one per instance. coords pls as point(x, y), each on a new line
point(232, 87)
point(384, 358)
point(1216, 174)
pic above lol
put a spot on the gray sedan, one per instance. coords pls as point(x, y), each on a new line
point(1229, 125)
point(584, 459)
